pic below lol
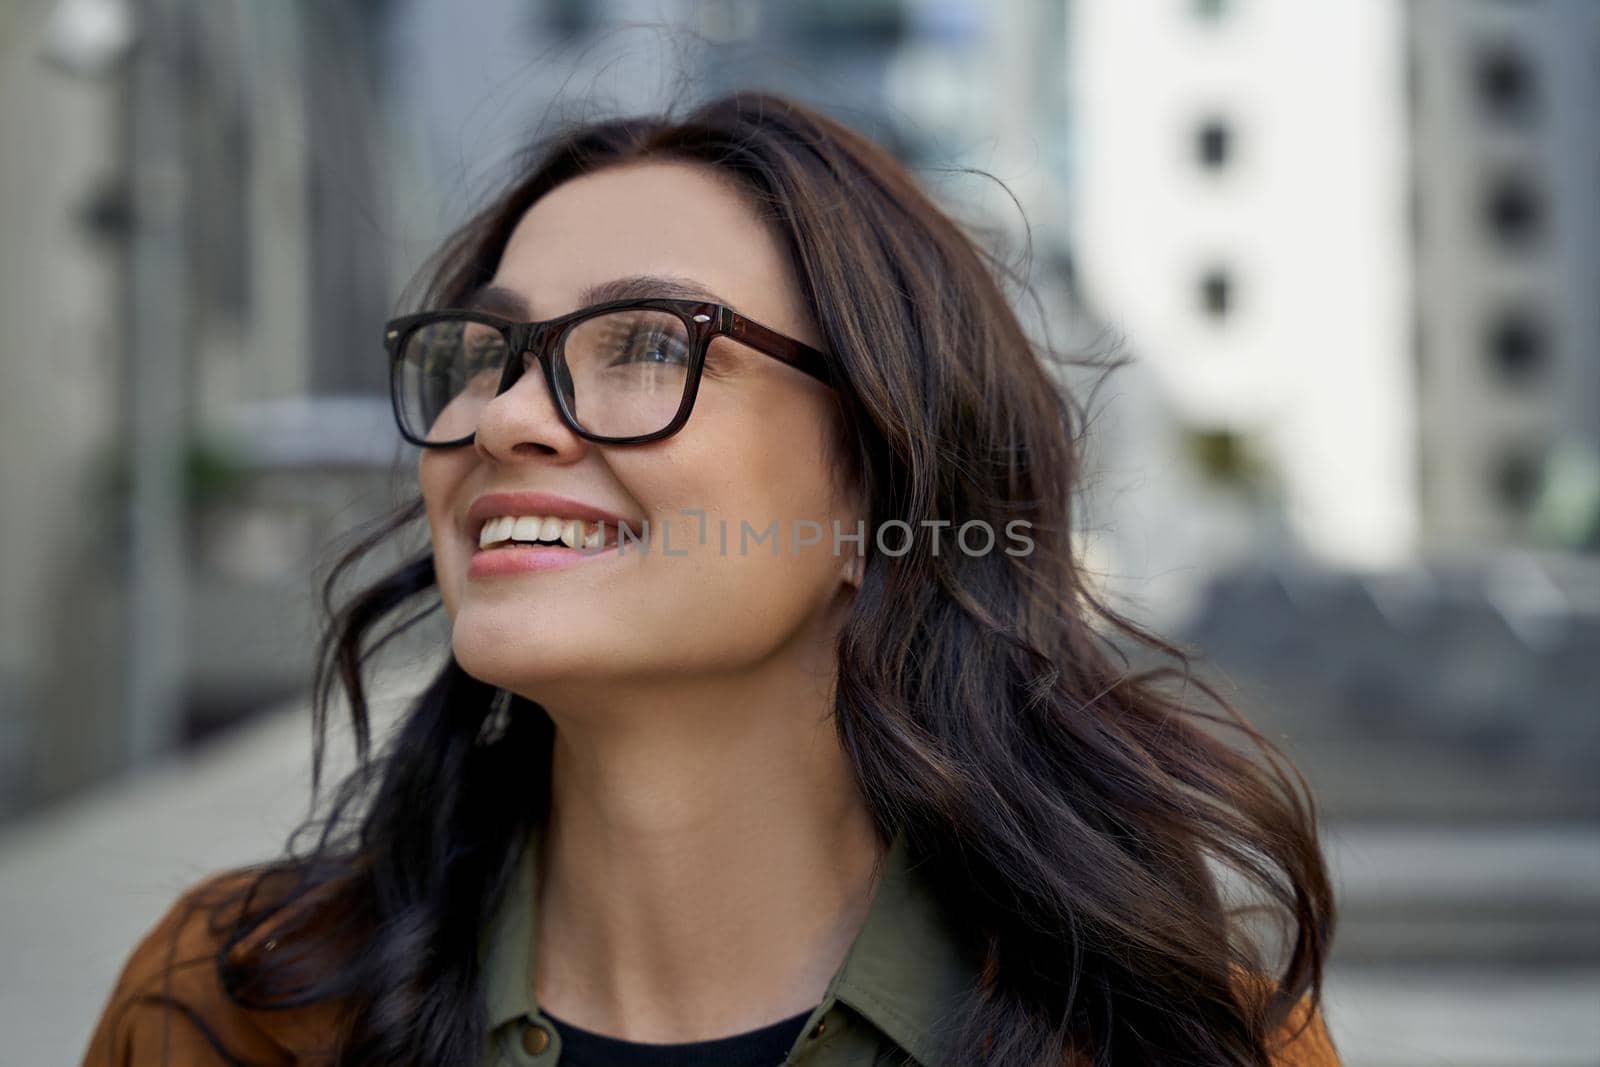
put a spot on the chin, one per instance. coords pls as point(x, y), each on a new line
point(490, 649)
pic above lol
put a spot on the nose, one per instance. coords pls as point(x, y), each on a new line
point(524, 421)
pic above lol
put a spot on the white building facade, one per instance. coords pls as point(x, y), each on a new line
point(1356, 247)
point(1239, 201)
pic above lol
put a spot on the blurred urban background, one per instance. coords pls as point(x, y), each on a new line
point(1351, 251)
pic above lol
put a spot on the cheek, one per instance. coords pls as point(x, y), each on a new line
point(761, 484)
point(755, 463)
point(437, 478)
point(786, 468)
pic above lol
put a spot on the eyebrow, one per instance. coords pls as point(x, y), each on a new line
point(500, 300)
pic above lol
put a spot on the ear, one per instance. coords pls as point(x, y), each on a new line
point(855, 569)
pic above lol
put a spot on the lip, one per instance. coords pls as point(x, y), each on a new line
point(493, 505)
point(522, 559)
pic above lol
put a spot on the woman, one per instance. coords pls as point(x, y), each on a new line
point(776, 725)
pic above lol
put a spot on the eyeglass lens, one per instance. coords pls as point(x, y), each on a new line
point(622, 373)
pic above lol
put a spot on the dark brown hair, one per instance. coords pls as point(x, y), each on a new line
point(1112, 846)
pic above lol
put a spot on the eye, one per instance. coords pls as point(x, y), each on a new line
point(483, 351)
point(650, 346)
point(632, 342)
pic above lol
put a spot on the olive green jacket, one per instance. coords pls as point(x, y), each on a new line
point(889, 1003)
point(901, 979)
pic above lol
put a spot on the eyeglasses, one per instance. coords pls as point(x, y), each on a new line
point(622, 372)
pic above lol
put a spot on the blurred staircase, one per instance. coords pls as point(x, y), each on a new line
point(1448, 720)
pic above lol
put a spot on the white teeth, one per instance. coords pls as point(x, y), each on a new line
point(571, 532)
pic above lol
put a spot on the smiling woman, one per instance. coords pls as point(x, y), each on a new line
point(715, 771)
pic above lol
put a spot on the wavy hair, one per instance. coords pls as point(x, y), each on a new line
point(1121, 855)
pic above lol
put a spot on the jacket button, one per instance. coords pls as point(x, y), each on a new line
point(535, 1039)
point(816, 1031)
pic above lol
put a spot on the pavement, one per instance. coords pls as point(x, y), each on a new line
point(82, 882)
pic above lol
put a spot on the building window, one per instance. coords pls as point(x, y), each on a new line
point(1518, 348)
point(1515, 479)
point(1225, 457)
point(1514, 211)
point(1214, 143)
point(1506, 85)
point(1216, 293)
point(570, 18)
point(850, 23)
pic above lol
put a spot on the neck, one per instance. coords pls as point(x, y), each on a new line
point(708, 856)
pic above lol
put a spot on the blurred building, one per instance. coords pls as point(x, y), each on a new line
point(57, 313)
point(190, 190)
point(1505, 202)
point(1355, 245)
point(1238, 210)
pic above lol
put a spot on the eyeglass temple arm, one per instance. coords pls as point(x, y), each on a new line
point(795, 353)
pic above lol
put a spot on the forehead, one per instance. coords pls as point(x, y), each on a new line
point(674, 219)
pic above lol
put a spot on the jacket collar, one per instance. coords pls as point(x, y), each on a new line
point(905, 972)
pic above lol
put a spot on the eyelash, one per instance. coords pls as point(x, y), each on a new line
point(715, 364)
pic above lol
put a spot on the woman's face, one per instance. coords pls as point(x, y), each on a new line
point(756, 451)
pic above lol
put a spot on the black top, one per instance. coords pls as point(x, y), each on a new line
point(762, 1047)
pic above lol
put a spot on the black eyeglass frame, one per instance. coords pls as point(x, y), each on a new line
point(703, 321)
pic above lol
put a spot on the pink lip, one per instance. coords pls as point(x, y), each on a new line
point(522, 559)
